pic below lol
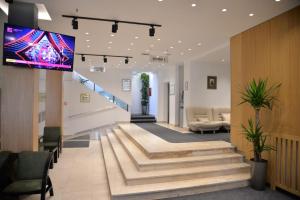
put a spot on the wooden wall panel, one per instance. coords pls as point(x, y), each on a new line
point(270, 50)
point(54, 98)
point(19, 109)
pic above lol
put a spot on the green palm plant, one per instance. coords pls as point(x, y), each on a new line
point(258, 95)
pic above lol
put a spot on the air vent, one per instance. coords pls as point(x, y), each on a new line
point(158, 59)
point(97, 69)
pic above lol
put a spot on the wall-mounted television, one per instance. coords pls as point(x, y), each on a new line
point(34, 48)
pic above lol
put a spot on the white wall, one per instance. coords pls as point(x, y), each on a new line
point(197, 94)
point(109, 113)
point(136, 107)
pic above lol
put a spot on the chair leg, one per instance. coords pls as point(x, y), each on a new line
point(43, 196)
point(50, 187)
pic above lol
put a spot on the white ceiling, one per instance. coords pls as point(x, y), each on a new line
point(205, 24)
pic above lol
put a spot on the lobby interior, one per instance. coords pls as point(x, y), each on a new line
point(149, 99)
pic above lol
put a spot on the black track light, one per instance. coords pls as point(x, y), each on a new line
point(75, 23)
point(152, 31)
point(82, 58)
point(115, 27)
point(126, 60)
point(9, 1)
point(104, 59)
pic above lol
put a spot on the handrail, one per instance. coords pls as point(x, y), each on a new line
point(96, 88)
point(84, 114)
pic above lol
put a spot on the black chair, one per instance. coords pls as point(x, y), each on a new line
point(52, 139)
point(5, 178)
point(31, 175)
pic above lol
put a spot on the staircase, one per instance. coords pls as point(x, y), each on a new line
point(143, 119)
point(96, 88)
point(140, 165)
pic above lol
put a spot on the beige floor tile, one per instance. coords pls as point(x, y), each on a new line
point(79, 175)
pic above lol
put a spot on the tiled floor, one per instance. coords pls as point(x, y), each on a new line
point(79, 175)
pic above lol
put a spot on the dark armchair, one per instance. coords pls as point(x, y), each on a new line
point(51, 139)
point(5, 179)
point(31, 175)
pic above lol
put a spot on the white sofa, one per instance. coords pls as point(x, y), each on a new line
point(208, 119)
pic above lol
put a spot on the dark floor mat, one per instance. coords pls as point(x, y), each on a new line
point(83, 137)
point(177, 137)
point(76, 144)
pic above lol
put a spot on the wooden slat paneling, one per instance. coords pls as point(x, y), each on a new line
point(271, 50)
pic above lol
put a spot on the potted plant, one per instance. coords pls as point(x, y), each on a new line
point(258, 95)
point(144, 93)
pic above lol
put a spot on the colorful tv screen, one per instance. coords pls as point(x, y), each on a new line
point(33, 48)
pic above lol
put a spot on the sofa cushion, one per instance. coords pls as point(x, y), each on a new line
point(24, 186)
point(226, 117)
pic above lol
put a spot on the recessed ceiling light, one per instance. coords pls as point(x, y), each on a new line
point(88, 40)
point(112, 35)
point(129, 49)
point(179, 41)
point(224, 10)
point(147, 50)
point(277, 0)
point(110, 42)
point(88, 46)
point(194, 5)
point(87, 33)
point(151, 45)
point(251, 14)
point(160, 0)
point(182, 53)
point(223, 60)
point(171, 47)
point(190, 49)
point(109, 47)
point(165, 52)
point(131, 44)
point(136, 37)
point(158, 39)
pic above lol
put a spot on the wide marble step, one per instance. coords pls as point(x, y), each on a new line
point(155, 147)
point(143, 163)
point(134, 177)
point(121, 191)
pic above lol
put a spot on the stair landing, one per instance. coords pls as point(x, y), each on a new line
point(132, 175)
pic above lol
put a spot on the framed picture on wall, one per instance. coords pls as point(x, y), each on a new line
point(211, 82)
point(84, 98)
point(126, 85)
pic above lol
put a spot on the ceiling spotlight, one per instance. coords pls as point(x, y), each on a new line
point(87, 33)
point(82, 58)
point(152, 31)
point(104, 59)
point(75, 23)
point(136, 37)
point(115, 27)
point(199, 44)
point(224, 10)
point(171, 47)
point(126, 61)
point(194, 5)
point(277, 0)
point(179, 41)
point(251, 14)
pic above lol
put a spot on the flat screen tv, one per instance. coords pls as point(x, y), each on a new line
point(33, 48)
